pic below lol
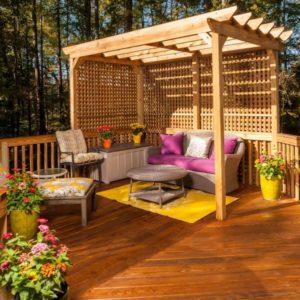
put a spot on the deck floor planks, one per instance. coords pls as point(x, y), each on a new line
point(128, 253)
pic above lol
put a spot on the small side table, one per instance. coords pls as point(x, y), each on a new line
point(50, 173)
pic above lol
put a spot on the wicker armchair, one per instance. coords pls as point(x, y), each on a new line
point(73, 152)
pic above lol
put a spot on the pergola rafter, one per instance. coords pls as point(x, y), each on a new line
point(189, 40)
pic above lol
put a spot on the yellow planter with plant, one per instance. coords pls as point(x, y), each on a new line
point(23, 203)
point(272, 170)
point(137, 131)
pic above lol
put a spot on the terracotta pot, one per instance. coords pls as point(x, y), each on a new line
point(106, 143)
point(271, 189)
point(23, 223)
point(137, 138)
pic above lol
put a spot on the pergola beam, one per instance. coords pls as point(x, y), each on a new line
point(126, 50)
point(245, 35)
point(154, 34)
point(167, 57)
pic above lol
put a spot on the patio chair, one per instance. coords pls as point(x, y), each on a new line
point(73, 152)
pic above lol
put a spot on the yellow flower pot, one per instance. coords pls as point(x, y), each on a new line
point(137, 138)
point(23, 223)
point(271, 189)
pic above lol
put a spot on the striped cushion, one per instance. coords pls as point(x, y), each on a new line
point(66, 187)
point(82, 157)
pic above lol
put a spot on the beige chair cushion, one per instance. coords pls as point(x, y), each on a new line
point(67, 142)
point(80, 141)
point(82, 157)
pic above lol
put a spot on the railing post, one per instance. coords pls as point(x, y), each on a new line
point(5, 155)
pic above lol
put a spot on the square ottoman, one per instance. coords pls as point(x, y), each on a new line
point(71, 191)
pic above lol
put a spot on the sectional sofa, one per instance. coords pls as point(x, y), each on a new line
point(201, 170)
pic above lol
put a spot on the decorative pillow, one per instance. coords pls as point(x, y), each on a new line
point(172, 144)
point(229, 146)
point(198, 146)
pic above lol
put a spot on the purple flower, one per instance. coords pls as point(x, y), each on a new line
point(262, 158)
point(38, 248)
point(43, 229)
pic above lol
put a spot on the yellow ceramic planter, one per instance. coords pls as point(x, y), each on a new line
point(271, 189)
point(137, 138)
point(23, 223)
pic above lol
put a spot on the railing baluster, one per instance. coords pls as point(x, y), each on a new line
point(23, 158)
point(38, 166)
point(52, 155)
point(31, 166)
point(45, 155)
point(15, 157)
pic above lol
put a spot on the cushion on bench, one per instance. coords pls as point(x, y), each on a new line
point(66, 187)
point(187, 162)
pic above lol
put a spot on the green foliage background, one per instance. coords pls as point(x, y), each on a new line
point(27, 101)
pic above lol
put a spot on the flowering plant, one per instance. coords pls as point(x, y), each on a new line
point(104, 132)
point(22, 192)
point(271, 165)
point(35, 269)
point(137, 128)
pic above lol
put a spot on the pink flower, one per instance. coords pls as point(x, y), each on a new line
point(63, 249)
point(16, 169)
point(32, 189)
point(49, 237)
point(9, 176)
point(7, 235)
point(39, 248)
point(4, 266)
point(24, 257)
point(44, 228)
point(22, 185)
point(262, 158)
point(42, 221)
point(1, 246)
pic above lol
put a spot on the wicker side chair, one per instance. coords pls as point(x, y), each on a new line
point(73, 152)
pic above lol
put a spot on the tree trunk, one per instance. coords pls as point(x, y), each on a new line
point(59, 62)
point(39, 105)
point(96, 12)
point(87, 16)
point(27, 79)
point(129, 15)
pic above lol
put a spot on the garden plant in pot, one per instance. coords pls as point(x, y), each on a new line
point(137, 131)
point(23, 203)
point(272, 170)
point(34, 269)
point(105, 134)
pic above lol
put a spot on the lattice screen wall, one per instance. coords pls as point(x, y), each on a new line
point(168, 97)
point(247, 101)
point(105, 94)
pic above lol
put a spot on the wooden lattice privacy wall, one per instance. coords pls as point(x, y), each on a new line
point(217, 70)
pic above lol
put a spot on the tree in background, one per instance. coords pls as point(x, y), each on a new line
point(34, 74)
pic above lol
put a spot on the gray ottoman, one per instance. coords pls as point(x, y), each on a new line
point(157, 174)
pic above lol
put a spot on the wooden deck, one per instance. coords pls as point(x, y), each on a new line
point(127, 253)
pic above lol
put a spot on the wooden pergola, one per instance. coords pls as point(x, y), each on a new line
point(201, 40)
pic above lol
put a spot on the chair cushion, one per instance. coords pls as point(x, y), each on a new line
point(198, 146)
point(80, 140)
point(172, 144)
point(66, 187)
point(83, 157)
point(67, 142)
point(187, 162)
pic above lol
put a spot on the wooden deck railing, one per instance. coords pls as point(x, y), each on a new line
point(37, 152)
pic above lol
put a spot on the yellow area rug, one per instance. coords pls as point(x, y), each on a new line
point(195, 206)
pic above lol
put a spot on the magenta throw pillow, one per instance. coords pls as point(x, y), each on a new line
point(229, 146)
point(171, 144)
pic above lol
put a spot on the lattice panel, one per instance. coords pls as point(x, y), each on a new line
point(168, 97)
point(247, 94)
point(105, 94)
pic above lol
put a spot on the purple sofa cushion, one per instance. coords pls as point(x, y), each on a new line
point(229, 146)
point(172, 144)
point(189, 163)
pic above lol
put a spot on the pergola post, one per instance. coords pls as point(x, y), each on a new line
point(218, 41)
point(196, 91)
point(273, 61)
point(73, 117)
point(140, 93)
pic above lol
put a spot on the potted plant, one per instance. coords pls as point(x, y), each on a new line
point(272, 170)
point(34, 269)
point(105, 135)
point(137, 131)
point(23, 203)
